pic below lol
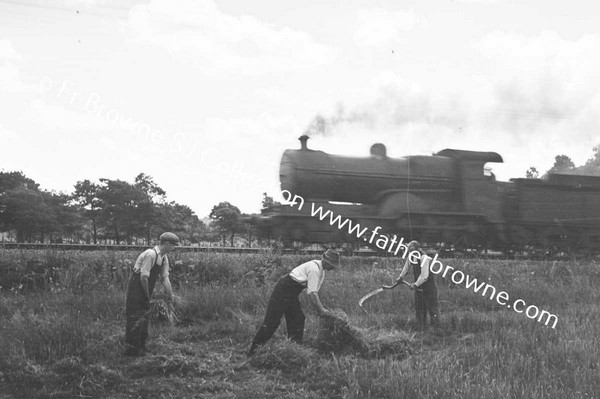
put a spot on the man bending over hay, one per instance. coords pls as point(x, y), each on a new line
point(284, 299)
point(150, 266)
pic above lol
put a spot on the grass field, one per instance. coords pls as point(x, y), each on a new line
point(62, 325)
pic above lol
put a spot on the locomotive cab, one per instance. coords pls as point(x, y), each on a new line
point(478, 187)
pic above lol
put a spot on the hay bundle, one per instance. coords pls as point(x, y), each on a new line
point(335, 334)
point(283, 355)
point(389, 343)
point(163, 310)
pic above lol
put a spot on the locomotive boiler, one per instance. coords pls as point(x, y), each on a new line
point(448, 197)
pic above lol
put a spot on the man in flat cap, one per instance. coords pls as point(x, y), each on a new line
point(284, 299)
point(150, 266)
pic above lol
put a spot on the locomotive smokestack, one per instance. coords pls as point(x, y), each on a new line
point(378, 151)
point(303, 139)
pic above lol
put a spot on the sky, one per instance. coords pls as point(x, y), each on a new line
point(204, 96)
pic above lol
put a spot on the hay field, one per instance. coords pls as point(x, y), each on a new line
point(62, 325)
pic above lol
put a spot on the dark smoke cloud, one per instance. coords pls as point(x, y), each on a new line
point(327, 125)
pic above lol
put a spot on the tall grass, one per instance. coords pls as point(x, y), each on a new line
point(62, 322)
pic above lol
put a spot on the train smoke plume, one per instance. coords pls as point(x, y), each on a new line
point(548, 103)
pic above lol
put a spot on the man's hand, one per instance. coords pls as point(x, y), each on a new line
point(412, 286)
point(399, 280)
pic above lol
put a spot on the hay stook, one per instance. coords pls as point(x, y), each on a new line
point(337, 335)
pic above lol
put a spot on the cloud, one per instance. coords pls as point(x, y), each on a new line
point(198, 31)
point(8, 51)
point(478, 1)
point(532, 98)
point(543, 77)
point(379, 27)
point(10, 75)
point(60, 117)
point(8, 136)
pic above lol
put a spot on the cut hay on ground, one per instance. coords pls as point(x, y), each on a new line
point(283, 355)
point(337, 335)
point(73, 376)
point(161, 365)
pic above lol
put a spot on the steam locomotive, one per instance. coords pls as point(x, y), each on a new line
point(448, 198)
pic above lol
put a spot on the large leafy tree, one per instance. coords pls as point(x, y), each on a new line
point(147, 211)
point(226, 219)
point(108, 209)
point(592, 166)
point(562, 164)
point(25, 209)
point(68, 221)
point(181, 220)
point(120, 215)
point(86, 197)
point(27, 213)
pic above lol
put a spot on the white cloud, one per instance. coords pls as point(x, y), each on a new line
point(379, 27)
point(10, 79)
point(200, 32)
point(478, 1)
point(59, 117)
point(8, 51)
point(7, 135)
point(534, 97)
point(10, 73)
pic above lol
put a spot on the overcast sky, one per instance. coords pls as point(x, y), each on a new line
point(205, 96)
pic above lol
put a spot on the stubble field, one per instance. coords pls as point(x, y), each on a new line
point(62, 327)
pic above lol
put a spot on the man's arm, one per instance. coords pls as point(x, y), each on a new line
point(404, 270)
point(145, 268)
point(167, 285)
point(144, 282)
point(316, 303)
point(312, 290)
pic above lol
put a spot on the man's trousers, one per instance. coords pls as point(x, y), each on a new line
point(284, 301)
point(426, 301)
point(137, 309)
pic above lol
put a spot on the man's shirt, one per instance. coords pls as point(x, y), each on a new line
point(146, 260)
point(425, 261)
point(310, 275)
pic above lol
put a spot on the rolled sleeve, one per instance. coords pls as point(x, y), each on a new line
point(147, 263)
point(312, 282)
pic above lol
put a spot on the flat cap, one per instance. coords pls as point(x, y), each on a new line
point(169, 237)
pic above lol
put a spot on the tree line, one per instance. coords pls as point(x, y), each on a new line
point(111, 212)
point(564, 165)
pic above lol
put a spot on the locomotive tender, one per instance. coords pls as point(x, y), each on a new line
point(445, 198)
